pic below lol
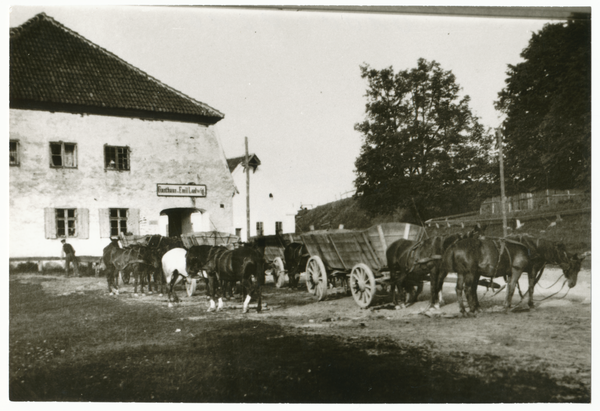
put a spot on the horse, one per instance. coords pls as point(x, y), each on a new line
point(203, 258)
point(411, 262)
point(235, 265)
point(115, 259)
point(296, 257)
point(544, 252)
point(160, 247)
point(471, 258)
point(174, 267)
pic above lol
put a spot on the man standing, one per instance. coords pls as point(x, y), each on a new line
point(69, 253)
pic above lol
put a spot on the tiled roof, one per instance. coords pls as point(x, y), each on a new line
point(235, 161)
point(51, 64)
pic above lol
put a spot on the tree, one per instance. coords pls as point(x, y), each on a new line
point(547, 102)
point(423, 149)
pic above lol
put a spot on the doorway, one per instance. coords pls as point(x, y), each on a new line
point(182, 221)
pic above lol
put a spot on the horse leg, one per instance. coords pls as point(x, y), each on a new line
point(514, 278)
point(460, 280)
point(400, 285)
point(109, 279)
point(474, 297)
point(246, 286)
point(171, 292)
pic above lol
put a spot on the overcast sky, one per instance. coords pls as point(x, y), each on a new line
point(290, 81)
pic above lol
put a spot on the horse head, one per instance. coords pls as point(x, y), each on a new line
point(571, 265)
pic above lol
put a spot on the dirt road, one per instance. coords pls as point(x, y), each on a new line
point(530, 351)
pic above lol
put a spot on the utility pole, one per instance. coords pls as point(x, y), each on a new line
point(247, 163)
point(502, 192)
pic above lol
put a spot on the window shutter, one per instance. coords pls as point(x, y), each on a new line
point(133, 221)
point(104, 219)
point(50, 222)
point(83, 223)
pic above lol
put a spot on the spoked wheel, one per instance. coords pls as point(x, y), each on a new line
point(362, 285)
point(190, 286)
point(278, 272)
point(316, 278)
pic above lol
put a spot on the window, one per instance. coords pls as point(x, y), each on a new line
point(118, 221)
point(14, 152)
point(238, 232)
point(66, 222)
point(259, 228)
point(63, 155)
point(278, 227)
point(116, 158)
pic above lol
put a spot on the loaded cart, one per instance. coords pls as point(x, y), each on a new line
point(357, 258)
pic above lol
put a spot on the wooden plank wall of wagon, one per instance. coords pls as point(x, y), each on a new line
point(318, 244)
point(383, 235)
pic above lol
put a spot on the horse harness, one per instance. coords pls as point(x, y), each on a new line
point(123, 260)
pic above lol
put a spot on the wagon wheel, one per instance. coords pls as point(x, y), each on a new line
point(362, 285)
point(278, 272)
point(191, 287)
point(316, 277)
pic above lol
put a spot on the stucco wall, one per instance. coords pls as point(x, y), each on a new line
point(262, 207)
point(161, 152)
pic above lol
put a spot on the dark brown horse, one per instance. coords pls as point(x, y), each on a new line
point(542, 252)
point(493, 258)
point(296, 256)
point(116, 259)
point(203, 258)
point(410, 263)
point(240, 264)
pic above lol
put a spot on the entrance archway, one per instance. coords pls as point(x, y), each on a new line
point(183, 220)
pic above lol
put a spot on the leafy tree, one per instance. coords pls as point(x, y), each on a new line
point(547, 102)
point(423, 149)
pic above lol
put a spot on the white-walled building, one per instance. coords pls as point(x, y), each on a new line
point(98, 147)
point(269, 212)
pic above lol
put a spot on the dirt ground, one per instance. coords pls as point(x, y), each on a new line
point(554, 336)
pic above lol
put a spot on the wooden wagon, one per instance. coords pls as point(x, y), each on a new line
point(214, 238)
point(274, 254)
point(355, 257)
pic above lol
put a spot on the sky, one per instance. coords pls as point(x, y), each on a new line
point(290, 81)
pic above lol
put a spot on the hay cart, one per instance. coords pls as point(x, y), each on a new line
point(214, 238)
point(356, 258)
point(274, 255)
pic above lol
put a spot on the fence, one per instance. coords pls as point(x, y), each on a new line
point(529, 201)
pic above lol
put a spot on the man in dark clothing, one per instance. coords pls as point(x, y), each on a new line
point(69, 253)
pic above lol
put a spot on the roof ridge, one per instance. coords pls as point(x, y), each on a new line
point(16, 32)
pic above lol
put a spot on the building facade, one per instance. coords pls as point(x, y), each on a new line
point(98, 148)
point(269, 212)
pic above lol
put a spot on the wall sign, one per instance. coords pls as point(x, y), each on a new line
point(181, 190)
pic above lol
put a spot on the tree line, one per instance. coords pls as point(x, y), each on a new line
point(423, 149)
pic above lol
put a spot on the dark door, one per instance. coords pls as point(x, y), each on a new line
point(174, 224)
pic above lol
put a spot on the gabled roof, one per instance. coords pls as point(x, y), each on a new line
point(53, 68)
point(235, 161)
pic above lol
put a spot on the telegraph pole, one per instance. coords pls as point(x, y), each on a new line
point(247, 163)
point(502, 192)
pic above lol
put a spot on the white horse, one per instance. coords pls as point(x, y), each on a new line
point(174, 269)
